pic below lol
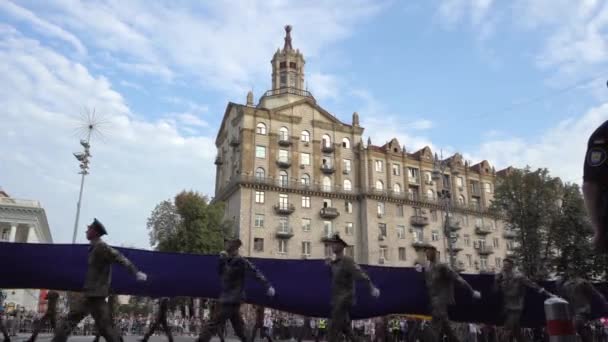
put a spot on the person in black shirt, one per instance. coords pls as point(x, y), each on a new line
point(595, 185)
point(232, 269)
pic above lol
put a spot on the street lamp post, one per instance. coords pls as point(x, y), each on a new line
point(445, 197)
point(83, 158)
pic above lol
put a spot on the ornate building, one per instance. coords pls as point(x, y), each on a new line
point(292, 174)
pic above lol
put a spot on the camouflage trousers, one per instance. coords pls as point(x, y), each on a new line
point(340, 322)
point(3, 329)
point(39, 324)
point(226, 312)
point(98, 308)
point(160, 322)
point(440, 322)
point(513, 326)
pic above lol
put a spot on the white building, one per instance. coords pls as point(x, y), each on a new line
point(23, 221)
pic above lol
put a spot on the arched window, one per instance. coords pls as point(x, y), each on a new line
point(326, 140)
point(346, 143)
point(259, 173)
point(326, 184)
point(260, 128)
point(305, 180)
point(283, 134)
point(305, 136)
point(348, 186)
point(461, 200)
point(396, 188)
point(379, 185)
point(430, 194)
point(283, 178)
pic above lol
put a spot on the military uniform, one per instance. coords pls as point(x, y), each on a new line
point(50, 316)
point(96, 289)
point(440, 279)
point(232, 271)
point(161, 321)
point(595, 171)
point(2, 326)
point(112, 307)
point(579, 293)
point(513, 287)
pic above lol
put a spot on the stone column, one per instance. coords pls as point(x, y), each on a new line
point(31, 234)
point(13, 234)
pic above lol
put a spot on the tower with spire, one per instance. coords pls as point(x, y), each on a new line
point(288, 66)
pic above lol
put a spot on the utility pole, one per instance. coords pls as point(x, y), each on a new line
point(83, 158)
point(445, 200)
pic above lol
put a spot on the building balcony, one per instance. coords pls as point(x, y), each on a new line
point(234, 141)
point(485, 250)
point(329, 213)
point(483, 229)
point(421, 243)
point(284, 141)
point(420, 221)
point(454, 223)
point(509, 234)
point(284, 162)
point(456, 248)
point(284, 208)
point(328, 148)
point(328, 169)
point(288, 90)
point(414, 180)
point(218, 160)
point(284, 232)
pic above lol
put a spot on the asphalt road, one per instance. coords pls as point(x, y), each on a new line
point(129, 338)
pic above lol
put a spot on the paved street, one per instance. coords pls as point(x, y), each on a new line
point(130, 338)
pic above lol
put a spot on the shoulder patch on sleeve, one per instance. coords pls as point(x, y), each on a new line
point(596, 156)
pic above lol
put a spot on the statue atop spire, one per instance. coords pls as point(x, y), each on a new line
point(287, 46)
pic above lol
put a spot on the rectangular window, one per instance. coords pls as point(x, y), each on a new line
point(284, 156)
point(350, 251)
point(483, 262)
point(328, 251)
point(349, 229)
point(305, 201)
point(487, 187)
point(467, 240)
point(469, 260)
point(306, 248)
point(379, 165)
point(283, 201)
point(402, 254)
point(380, 208)
point(282, 246)
point(348, 207)
point(305, 158)
point(459, 182)
point(328, 229)
point(396, 169)
point(475, 187)
point(259, 220)
point(413, 175)
point(496, 243)
point(260, 152)
point(382, 229)
point(510, 246)
point(434, 215)
point(306, 222)
point(258, 244)
point(400, 232)
point(347, 165)
point(283, 224)
point(400, 210)
point(327, 203)
point(435, 235)
point(478, 222)
point(384, 253)
point(259, 197)
point(498, 262)
point(418, 237)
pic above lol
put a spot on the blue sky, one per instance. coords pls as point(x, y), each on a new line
point(517, 83)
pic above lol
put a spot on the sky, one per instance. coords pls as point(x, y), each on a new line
point(514, 82)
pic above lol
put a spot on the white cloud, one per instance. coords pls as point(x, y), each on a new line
point(323, 86)
point(139, 163)
point(41, 25)
point(190, 119)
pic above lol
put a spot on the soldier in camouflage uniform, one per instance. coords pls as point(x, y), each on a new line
point(513, 285)
point(2, 326)
point(160, 321)
point(440, 280)
point(112, 307)
point(344, 273)
point(232, 269)
point(50, 316)
point(579, 293)
point(97, 286)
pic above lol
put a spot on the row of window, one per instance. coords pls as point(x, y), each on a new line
point(306, 225)
point(304, 135)
point(306, 247)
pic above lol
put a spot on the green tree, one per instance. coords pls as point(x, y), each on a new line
point(189, 224)
point(527, 201)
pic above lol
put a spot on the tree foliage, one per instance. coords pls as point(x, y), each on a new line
point(188, 224)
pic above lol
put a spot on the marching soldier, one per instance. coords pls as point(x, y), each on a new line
point(579, 293)
point(161, 321)
point(259, 325)
point(50, 316)
point(232, 270)
point(7, 338)
point(96, 286)
point(440, 279)
point(513, 285)
point(112, 307)
point(344, 273)
point(595, 184)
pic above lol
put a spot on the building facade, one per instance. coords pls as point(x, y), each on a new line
point(23, 221)
point(291, 174)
